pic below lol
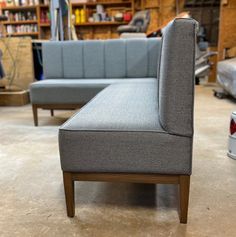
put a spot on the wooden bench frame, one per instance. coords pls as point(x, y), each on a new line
point(53, 107)
point(182, 180)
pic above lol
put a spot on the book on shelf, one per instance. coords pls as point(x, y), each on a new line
point(20, 16)
point(9, 3)
point(12, 29)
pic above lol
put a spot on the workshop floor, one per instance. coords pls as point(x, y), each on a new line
point(32, 198)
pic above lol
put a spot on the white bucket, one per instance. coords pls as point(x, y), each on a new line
point(232, 137)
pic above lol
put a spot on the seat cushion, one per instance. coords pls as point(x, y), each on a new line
point(71, 91)
point(119, 131)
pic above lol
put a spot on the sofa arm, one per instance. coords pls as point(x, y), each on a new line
point(176, 85)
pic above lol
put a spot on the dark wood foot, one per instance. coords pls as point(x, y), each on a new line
point(184, 183)
point(52, 112)
point(35, 114)
point(69, 193)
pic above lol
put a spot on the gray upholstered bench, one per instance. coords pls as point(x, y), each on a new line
point(138, 131)
point(75, 71)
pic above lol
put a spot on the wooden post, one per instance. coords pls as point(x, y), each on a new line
point(69, 193)
point(35, 114)
point(52, 112)
point(184, 183)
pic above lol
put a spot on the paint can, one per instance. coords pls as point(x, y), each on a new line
point(232, 137)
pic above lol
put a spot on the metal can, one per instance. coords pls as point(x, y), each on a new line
point(232, 137)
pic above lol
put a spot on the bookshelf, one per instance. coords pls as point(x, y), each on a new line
point(27, 20)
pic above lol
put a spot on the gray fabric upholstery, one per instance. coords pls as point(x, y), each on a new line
point(52, 60)
point(115, 59)
point(132, 58)
point(142, 127)
point(94, 59)
point(154, 52)
point(132, 107)
point(121, 152)
point(176, 78)
point(73, 64)
point(119, 131)
point(137, 58)
point(71, 91)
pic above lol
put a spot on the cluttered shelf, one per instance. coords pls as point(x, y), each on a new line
point(44, 5)
point(19, 8)
point(101, 3)
point(44, 24)
point(100, 19)
point(19, 22)
point(100, 23)
point(23, 33)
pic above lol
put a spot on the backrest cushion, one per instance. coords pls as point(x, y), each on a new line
point(154, 51)
point(120, 58)
point(52, 60)
point(176, 80)
point(137, 58)
point(73, 63)
point(115, 58)
point(94, 66)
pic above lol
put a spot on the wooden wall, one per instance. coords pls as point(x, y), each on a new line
point(167, 10)
point(227, 31)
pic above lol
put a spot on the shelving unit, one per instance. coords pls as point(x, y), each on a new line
point(23, 18)
point(100, 23)
point(44, 23)
point(20, 22)
point(160, 10)
point(90, 28)
point(111, 3)
point(24, 34)
point(19, 8)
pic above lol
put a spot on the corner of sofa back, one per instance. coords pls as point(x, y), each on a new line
point(52, 59)
point(176, 80)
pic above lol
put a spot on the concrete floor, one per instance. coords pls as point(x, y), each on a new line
point(32, 198)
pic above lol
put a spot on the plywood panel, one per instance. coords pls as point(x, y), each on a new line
point(151, 3)
point(154, 20)
point(102, 33)
point(17, 62)
point(213, 60)
point(227, 32)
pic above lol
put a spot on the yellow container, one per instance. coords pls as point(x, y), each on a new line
point(77, 16)
point(82, 16)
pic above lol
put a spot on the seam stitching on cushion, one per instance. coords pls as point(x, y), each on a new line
point(126, 61)
point(62, 60)
point(104, 66)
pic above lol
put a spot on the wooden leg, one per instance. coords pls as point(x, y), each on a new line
point(52, 112)
point(35, 114)
point(69, 193)
point(184, 183)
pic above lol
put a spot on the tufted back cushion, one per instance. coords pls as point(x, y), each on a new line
point(131, 58)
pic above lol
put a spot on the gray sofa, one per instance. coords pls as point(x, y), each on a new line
point(138, 129)
point(75, 71)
